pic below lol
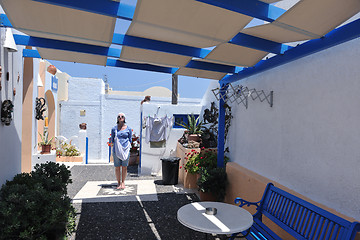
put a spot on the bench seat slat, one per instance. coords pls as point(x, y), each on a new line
point(331, 228)
point(276, 200)
point(313, 227)
point(324, 229)
point(280, 206)
point(259, 227)
point(341, 233)
point(285, 211)
point(336, 230)
point(318, 228)
point(297, 225)
point(310, 224)
point(296, 210)
point(290, 213)
point(306, 221)
point(273, 203)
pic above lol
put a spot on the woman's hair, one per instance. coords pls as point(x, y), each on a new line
point(121, 113)
point(146, 99)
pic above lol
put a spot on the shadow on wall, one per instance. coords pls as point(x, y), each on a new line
point(10, 163)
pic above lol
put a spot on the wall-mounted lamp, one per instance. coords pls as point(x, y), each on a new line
point(9, 41)
point(39, 82)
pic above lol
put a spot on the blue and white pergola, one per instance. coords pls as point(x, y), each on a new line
point(200, 38)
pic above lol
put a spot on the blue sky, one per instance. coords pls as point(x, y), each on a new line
point(123, 79)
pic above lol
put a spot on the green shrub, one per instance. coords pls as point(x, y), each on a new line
point(206, 158)
point(214, 181)
point(36, 205)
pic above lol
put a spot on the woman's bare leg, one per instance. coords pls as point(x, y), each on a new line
point(123, 176)
point(117, 174)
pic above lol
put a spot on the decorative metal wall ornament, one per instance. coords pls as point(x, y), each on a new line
point(40, 108)
point(7, 107)
point(241, 94)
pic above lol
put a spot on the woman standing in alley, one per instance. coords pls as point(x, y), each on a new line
point(121, 137)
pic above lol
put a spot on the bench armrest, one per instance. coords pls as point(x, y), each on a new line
point(247, 203)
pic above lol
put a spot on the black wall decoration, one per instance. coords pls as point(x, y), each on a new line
point(7, 107)
point(40, 108)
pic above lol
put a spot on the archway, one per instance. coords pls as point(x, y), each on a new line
point(50, 105)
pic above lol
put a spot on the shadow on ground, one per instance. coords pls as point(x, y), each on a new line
point(130, 220)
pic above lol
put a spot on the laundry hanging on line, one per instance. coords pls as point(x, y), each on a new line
point(157, 128)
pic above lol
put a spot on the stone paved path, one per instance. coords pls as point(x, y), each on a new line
point(146, 209)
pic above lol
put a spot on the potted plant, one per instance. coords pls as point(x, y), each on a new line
point(45, 142)
point(193, 128)
point(134, 150)
point(212, 184)
point(194, 162)
point(67, 153)
point(206, 158)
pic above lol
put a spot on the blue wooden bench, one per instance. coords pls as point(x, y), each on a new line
point(300, 218)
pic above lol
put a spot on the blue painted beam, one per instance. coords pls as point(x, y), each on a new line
point(211, 66)
point(4, 21)
point(66, 46)
point(335, 37)
point(115, 63)
point(106, 51)
point(103, 7)
point(221, 126)
point(161, 46)
point(31, 53)
point(261, 44)
point(140, 66)
point(252, 8)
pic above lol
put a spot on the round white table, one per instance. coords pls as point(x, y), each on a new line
point(228, 220)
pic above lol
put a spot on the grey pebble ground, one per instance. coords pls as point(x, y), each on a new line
point(129, 220)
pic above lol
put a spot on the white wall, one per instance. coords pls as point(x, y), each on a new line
point(83, 94)
point(10, 136)
point(113, 105)
point(150, 157)
point(309, 140)
point(101, 112)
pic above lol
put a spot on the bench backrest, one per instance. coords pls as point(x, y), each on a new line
point(302, 219)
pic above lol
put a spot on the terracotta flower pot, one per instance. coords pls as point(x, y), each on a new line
point(207, 196)
point(190, 180)
point(133, 158)
point(194, 137)
point(52, 69)
point(45, 149)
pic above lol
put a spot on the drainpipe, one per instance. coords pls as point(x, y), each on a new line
point(174, 98)
point(221, 126)
point(140, 148)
